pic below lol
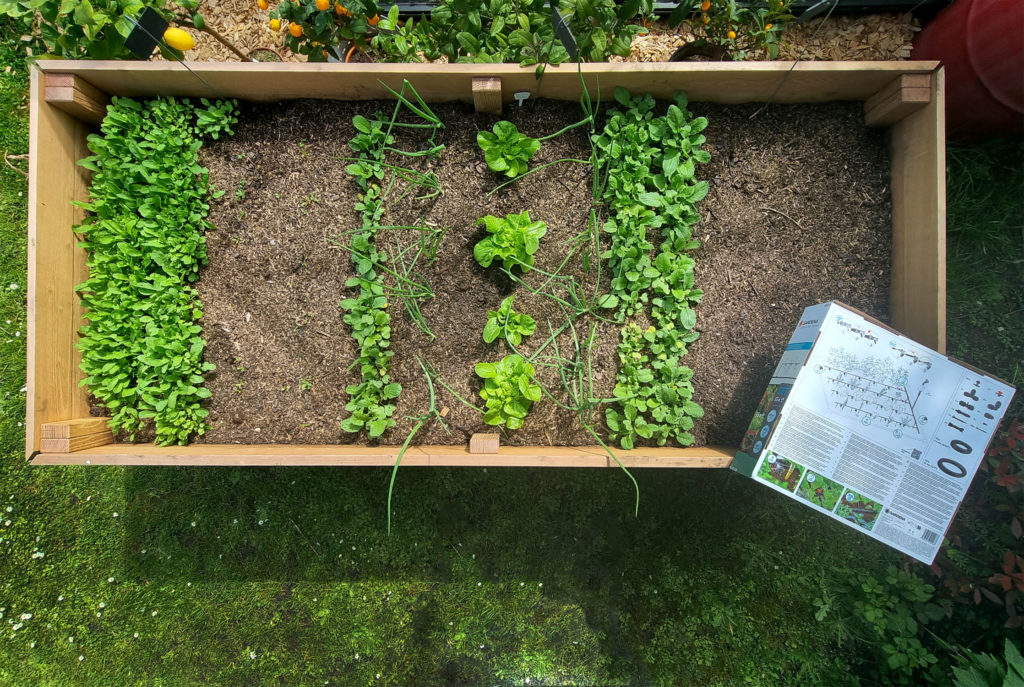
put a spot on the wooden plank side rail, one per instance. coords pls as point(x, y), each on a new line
point(57, 140)
point(917, 293)
point(296, 455)
point(720, 82)
point(906, 94)
point(76, 96)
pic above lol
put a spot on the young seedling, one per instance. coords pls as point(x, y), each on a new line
point(509, 390)
point(508, 324)
point(513, 240)
point(506, 150)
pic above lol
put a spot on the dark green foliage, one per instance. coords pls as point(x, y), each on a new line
point(78, 29)
point(142, 349)
point(984, 670)
point(517, 31)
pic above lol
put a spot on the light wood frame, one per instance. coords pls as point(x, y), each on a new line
point(891, 90)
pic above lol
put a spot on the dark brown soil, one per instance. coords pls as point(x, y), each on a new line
point(798, 213)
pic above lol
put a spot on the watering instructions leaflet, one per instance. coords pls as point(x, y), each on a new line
point(872, 429)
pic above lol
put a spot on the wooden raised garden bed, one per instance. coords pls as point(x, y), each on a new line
point(68, 100)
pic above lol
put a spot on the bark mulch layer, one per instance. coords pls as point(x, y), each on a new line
point(798, 213)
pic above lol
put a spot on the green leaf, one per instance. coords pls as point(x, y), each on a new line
point(491, 331)
point(485, 370)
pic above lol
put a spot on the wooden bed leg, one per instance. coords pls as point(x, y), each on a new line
point(77, 97)
point(906, 94)
point(74, 435)
point(487, 94)
point(484, 443)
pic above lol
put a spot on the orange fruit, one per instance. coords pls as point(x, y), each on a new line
point(768, 27)
point(373, 20)
point(295, 29)
point(706, 5)
point(262, 4)
point(340, 9)
point(731, 35)
point(707, 19)
point(323, 4)
point(275, 24)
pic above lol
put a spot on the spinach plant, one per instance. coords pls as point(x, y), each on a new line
point(507, 150)
point(513, 240)
point(142, 345)
point(508, 391)
point(647, 172)
point(508, 323)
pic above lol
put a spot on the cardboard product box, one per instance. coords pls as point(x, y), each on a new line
point(872, 429)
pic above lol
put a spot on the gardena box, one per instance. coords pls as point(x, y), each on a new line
point(872, 429)
point(68, 100)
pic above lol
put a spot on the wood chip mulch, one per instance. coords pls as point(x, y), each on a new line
point(858, 37)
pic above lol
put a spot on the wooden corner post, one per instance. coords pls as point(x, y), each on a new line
point(77, 97)
point(906, 94)
point(487, 94)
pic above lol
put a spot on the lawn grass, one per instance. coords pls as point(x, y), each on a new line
point(187, 576)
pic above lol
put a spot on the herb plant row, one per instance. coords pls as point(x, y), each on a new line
point(142, 348)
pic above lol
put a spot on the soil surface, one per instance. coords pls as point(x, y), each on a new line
point(798, 213)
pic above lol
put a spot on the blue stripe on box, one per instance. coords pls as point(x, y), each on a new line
point(800, 346)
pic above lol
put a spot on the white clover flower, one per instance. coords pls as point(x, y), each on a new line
point(39, 554)
point(60, 598)
point(110, 580)
point(71, 640)
point(136, 635)
point(115, 513)
point(252, 655)
point(193, 523)
point(26, 616)
point(10, 508)
point(81, 657)
point(12, 286)
point(18, 626)
point(154, 613)
point(31, 645)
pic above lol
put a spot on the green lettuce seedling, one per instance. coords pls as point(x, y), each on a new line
point(506, 150)
point(508, 390)
point(508, 323)
point(514, 239)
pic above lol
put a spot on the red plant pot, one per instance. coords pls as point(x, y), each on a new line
point(981, 46)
